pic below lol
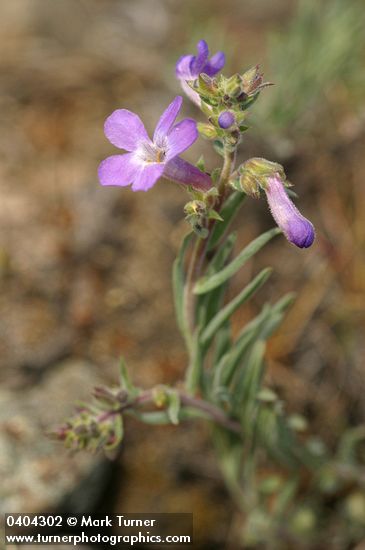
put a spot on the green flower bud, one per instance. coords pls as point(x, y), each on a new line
point(197, 215)
point(206, 86)
point(254, 174)
point(249, 184)
point(252, 81)
point(207, 130)
point(160, 396)
point(233, 86)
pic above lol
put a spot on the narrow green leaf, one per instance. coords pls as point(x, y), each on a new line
point(222, 343)
point(262, 326)
point(219, 147)
point(348, 444)
point(173, 409)
point(193, 376)
point(228, 212)
point(207, 283)
point(247, 386)
point(209, 304)
point(156, 418)
point(213, 215)
point(285, 497)
point(201, 163)
point(224, 314)
point(282, 305)
point(226, 367)
point(125, 381)
point(178, 281)
point(219, 259)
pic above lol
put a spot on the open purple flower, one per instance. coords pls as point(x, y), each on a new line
point(189, 67)
point(297, 229)
point(147, 160)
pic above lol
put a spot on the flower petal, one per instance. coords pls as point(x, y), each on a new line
point(148, 176)
point(201, 59)
point(215, 64)
point(118, 170)
point(181, 171)
point(183, 67)
point(193, 96)
point(181, 137)
point(167, 119)
point(125, 129)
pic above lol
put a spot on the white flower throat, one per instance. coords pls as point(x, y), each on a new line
point(149, 152)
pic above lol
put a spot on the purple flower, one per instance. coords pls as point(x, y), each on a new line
point(189, 67)
point(146, 160)
point(297, 229)
point(226, 119)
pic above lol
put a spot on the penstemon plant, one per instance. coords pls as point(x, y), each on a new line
point(224, 381)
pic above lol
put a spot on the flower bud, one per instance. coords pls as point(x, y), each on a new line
point(233, 85)
point(249, 184)
point(261, 169)
point(207, 130)
point(253, 175)
point(226, 119)
point(252, 81)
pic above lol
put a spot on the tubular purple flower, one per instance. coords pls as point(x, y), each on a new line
point(189, 67)
point(147, 160)
point(297, 229)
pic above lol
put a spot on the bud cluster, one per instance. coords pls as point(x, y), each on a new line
point(200, 210)
point(97, 426)
point(226, 100)
point(252, 176)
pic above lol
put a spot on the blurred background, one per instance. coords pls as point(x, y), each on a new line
point(85, 270)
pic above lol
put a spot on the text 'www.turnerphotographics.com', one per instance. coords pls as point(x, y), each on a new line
point(111, 529)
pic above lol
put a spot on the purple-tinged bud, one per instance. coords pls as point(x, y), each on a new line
point(253, 81)
point(226, 119)
point(297, 229)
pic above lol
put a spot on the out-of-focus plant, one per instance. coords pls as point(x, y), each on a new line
point(320, 53)
point(281, 477)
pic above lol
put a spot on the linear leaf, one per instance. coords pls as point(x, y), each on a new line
point(222, 343)
point(261, 327)
point(207, 283)
point(125, 381)
point(228, 212)
point(209, 304)
point(245, 390)
point(224, 314)
point(174, 406)
point(222, 255)
point(226, 367)
point(178, 281)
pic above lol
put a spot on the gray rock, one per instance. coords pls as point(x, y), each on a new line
point(38, 473)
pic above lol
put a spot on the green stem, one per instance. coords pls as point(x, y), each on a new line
point(203, 409)
point(228, 166)
point(189, 297)
point(194, 370)
point(193, 374)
